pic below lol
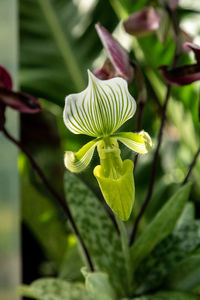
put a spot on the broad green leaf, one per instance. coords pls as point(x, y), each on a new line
point(98, 286)
point(168, 295)
point(54, 289)
point(161, 226)
point(188, 215)
point(97, 230)
point(71, 265)
point(58, 44)
point(166, 255)
point(40, 211)
point(42, 218)
point(186, 275)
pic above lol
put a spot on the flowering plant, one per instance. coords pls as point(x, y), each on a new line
point(77, 241)
point(101, 109)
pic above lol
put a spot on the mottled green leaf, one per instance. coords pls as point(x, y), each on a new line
point(186, 275)
point(174, 295)
point(98, 286)
point(166, 255)
point(54, 289)
point(161, 226)
point(97, 230)
point(71, 265)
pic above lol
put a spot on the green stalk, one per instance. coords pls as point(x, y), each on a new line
point(62, 43)
point(126, 253)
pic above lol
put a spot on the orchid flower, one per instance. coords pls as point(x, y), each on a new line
point(99, 111)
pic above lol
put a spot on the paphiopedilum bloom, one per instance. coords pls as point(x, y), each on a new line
point(99, 111)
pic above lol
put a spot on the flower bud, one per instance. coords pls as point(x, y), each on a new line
point(142, 22)
point(117, 64)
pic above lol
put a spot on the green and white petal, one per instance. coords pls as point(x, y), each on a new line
point(78, 161)
point(138, 142)
point(100, 109)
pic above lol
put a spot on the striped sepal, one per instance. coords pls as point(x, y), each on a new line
point(101, 108)
point(78, 161)
point(138, 142)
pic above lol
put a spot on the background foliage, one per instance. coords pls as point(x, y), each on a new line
point(58, 43)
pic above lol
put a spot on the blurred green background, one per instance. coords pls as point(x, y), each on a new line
point(9, 177)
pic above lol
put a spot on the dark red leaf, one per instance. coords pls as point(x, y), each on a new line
point(22, 102)
point(182, 75)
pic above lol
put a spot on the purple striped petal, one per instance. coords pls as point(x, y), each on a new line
point(5, 79)
point(195, 48)
point(117, 55)
point(182, 75)
point(142, 22)
point(106, 72)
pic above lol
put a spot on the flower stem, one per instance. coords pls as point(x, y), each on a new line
point(141, 100)
point(126, 251)
point(153, 168)
point(141, 105)
point(175, 25)
point(191, 166)
point(60, 200)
